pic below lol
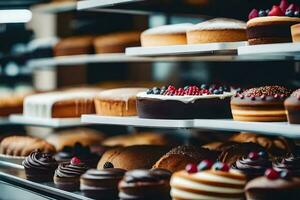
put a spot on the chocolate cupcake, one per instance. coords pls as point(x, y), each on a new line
point(263, 104)
point(253, 165)
point(292, 107)
point(101, 184)
point(145, 185)
point(39, 167)
point(290, 163)
point(79, 151)
point(274, 186)
point(67, 175)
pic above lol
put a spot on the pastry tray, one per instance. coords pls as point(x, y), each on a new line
point(17, 177)
point(52, 122)
point(268, 128)
point(288, 49)
point(199, 49)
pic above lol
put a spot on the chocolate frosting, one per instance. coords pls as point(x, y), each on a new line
point(252, 167)
point(69, 170)
point(141, 175)
point(104, 174)
point(39, 160)
point(291, 163)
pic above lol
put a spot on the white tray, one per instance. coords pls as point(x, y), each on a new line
point(211, 48)
point(135, 121)
point(12, 161)
point(54, 122)
point(273, 49)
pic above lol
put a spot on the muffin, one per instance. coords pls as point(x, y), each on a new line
point(101, 184)
point(253, 165)
point(145, 184)
point(292, 107)
point(273, 185)
point(208, 181)
point(67, 175)
point(39, 167)
point(263, 104)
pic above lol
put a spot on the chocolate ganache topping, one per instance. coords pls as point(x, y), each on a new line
point(75, 168)
point(141, 175)
point(110, 173)
point(254, 164)
point(39, 160)
point(290, 163)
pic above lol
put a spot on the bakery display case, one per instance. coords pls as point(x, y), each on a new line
point(140, 99)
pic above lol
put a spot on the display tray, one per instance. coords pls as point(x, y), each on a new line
point(17, 176)
point(287, 49)
point(4, 121)
point(54, 122)
point(199, 49)
point(268, 128)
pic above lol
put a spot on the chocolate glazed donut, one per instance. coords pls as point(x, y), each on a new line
point(39, 166)
point(101, 184)
point(145, 185)
point(67, 175)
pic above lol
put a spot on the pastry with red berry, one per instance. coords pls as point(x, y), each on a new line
point(67, 175)
point(274, 186)
point(292, 107)
point(184, 103)
point(208, 181)
point(272, 25)
point(263, 104)
point(253, 165)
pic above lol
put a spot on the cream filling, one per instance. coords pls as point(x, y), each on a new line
point(181, 182)
point(258, 112)
point(185, 98)
point(175, 193)
point(219, 24)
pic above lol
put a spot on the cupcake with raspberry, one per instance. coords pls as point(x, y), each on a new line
point(208, 180)
point(253, 165)
point(187, 103)
point(262, 104)
point(274, 185)
point(272, 25)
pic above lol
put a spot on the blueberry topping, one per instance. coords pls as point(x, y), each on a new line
point(149, 91)
point(262, 13)
point(216, 92)
point(204, 86)
point(296, 14)
point(267, 12)
point(289, 13)
point(163, 88)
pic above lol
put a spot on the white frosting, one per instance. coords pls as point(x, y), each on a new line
point(40, 105)
point(219, 24)
point(169, 29)
point(185, 98)
point(120, 94)
point(42, 42)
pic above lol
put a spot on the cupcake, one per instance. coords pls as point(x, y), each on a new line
point(208, 181)
point(145, 184)
point(274, 185)
point(263, 104)
point(292, 107)
point(39, 167)
point(253, 165)
point(67, 175)
point(290, 163)
point(79, 151)
point(101, 184)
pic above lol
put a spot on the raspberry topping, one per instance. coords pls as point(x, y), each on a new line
point(284, 5)
point(276, 11)
point(253, 14)
point(191, 168)
point(75, 161)
point(219, 166)
point(253, 155)
point(271, 174)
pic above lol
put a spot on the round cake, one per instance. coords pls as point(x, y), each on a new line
point(273, 185)
point(272, 25)
point(292, 107)
point(117, 102)
point(165, 35)
point(295, 29)
point(205, 181)
point(188, 103)
point(217, 30)
point(263, 104)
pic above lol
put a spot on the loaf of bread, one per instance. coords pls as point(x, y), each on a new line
point(68, 138)
point(23, 146)
point(132, 157)
point(179, 157)
point(74, 46)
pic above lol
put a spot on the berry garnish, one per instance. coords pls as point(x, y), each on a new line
point(149, 91)
point(284, 5)
point(253, 14)
point(108, 165)
point(204, 165)
point(276, 11)
point(289, 13)
point(297, 13)
point(191, 168)
point(263, 154)
point(285, 174)
point(292, 7)
point(75, 161)
point(262, 13)
point(271, 174)
point(253, 156)
point(219, 166)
